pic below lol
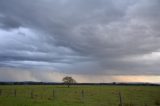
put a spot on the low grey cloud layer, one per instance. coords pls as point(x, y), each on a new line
point(91, 37)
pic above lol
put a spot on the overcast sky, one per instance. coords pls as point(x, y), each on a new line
point(44, 40)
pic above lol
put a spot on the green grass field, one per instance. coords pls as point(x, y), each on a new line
point(49, 95)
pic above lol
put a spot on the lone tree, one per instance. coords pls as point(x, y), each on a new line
point(68, 81)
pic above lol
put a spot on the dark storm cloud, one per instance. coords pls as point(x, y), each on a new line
point(8, 22)
point(81, 36)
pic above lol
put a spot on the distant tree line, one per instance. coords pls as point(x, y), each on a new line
point(55, 83)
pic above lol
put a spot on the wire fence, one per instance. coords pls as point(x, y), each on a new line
point(57, 94)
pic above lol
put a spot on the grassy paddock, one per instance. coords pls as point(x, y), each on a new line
point(98, 95)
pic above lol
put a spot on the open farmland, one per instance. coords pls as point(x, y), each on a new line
point(49, 95)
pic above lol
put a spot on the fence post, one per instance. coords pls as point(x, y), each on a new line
point(82, 93)
point(0, 92)
point(120, 99)
point(32, 94)
point(15, 92)
point(53, 93)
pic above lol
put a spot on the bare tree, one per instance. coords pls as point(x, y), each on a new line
point(68, 81)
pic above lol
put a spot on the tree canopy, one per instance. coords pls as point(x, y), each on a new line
point(68, 80)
